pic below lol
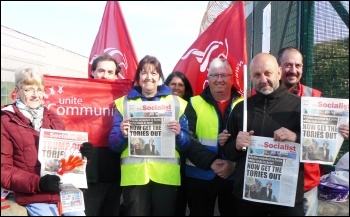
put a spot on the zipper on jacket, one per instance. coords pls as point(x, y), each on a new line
point(264, 115)
point(253, 122)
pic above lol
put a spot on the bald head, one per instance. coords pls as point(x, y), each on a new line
point(265, 73)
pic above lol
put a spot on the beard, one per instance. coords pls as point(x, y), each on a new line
point(267, 91)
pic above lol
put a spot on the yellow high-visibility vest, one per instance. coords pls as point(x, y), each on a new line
point(207, 132)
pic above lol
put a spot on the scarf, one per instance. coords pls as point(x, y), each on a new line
point(34, 115)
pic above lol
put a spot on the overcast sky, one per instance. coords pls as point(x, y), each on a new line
point(163, 29)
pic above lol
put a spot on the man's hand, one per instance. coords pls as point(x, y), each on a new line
point(223, 137)
point(86, 150)
point(344, 130)
point(216, 165)
point(226, 169)
point(243, 140)
point(223, 168)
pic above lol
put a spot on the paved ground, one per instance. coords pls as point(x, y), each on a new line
point(325, 208)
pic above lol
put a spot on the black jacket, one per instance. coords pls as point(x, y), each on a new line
point(104, 166)
point(265, 114)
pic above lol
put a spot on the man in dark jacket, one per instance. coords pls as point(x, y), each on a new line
point(102, 198)
point(274, 113)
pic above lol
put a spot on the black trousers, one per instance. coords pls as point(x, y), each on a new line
point(152, 199)
point(102, 199)
point(203, 194)
point(249, 208)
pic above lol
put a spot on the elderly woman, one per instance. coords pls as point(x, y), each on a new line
point(149, 184)
point(20, 126)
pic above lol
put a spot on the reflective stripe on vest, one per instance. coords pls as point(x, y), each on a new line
point(307, 91)
point(207, 131)
point(160, 170)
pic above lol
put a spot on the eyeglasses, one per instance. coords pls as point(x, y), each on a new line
point(30, 91)
point(223, 76)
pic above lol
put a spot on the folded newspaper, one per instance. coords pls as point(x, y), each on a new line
point(72, 198)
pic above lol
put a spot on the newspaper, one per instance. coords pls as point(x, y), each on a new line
point(271, 165)
point(59, 154)
point(72, 198)
point(320, 120)
point(4, 193)
point(149, 135)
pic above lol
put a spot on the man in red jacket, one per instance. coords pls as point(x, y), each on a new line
point(290, 60)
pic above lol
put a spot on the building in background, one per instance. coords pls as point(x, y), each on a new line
point(19, 50)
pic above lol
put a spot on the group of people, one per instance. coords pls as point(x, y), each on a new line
point(314, 152)
point(209, 161)
point(147, 149)
point(265, 193)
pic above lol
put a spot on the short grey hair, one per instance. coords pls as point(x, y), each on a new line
point(218, 63)
point(29, 76)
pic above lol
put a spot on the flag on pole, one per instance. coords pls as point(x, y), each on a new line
point(113, 38)
point(225, 38)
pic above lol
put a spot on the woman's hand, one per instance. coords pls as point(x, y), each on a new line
point(124, 126)
point(175, 127)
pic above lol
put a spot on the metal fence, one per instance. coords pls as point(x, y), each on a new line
point(320, 29)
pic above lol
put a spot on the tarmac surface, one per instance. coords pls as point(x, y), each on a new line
point(326, 208)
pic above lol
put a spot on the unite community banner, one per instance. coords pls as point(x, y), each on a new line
point(225, 38)
point(85, 104)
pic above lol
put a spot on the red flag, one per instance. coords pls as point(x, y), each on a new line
point(85, 104)
point(226, 38)
point(113, 38)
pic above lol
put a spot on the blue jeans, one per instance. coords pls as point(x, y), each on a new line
point(46, 209)
point(311, 202)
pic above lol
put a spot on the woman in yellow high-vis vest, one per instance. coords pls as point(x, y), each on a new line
point(149, 184)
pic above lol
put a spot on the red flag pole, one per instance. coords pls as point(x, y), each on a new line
point(245, 102)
